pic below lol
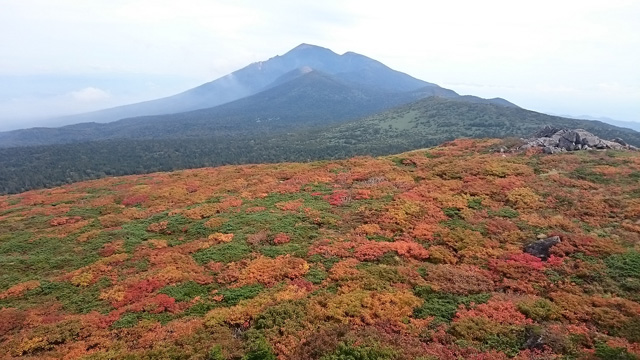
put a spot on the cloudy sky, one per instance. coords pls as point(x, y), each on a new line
point(555, 56)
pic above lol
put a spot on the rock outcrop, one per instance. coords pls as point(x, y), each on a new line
point(553, 140)
point(540, 248)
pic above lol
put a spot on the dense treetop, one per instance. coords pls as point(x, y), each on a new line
point(411, 256)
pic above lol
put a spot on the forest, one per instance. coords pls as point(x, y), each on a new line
point(419, 255)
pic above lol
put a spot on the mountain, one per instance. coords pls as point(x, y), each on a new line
point(307, 87)
point(412, 256)
point(259, 76)
point(299, 99)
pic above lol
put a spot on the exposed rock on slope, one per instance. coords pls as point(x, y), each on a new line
point(541, 247)
point(554, 140)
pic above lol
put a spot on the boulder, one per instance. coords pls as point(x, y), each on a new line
point(587, 138)
point(547, 142)
point(541, 247)
point(553, 140)
point(620, 141)
point(551, 150)
point(546, 132)
point(612, 145)
point(566, 143)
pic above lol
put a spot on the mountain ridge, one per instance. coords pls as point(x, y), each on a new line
point(247, 81)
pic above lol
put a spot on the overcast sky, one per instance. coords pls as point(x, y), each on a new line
point(555, 56)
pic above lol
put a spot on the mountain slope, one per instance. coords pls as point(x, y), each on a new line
point(420, 255)
point(302, 100)
point(435, 119)
point(258, 76)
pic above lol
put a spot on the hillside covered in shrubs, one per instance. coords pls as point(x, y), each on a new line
point(413, 256)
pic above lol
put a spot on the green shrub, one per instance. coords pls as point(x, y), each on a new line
point(451, 212)
point(316, 275)
point(234, 251)
point(583, 173)
point(604, 352)
point(232, 296)
point(185, 291)
point(277, 315)
point(346, 351)
point(475, 203)
point(216, 353)
point(127, 320)
point(443, 307)
point(539, 310)
point(505, 212)
point(625, 265)
point(259, 348)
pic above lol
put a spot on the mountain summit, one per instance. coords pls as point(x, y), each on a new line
point(355, 68)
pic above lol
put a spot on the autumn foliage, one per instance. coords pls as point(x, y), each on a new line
point(419, 256)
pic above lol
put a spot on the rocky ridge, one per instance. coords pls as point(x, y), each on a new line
point(553, 140)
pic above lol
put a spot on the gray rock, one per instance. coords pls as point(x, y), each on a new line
point(572, 136)
point(546, 132)
point(553, 140)
point(552, 150)
point(620, 141)
point(566, 143)
point(612, 145)
point(585, 138)
point(548, 142)
point(540, 248)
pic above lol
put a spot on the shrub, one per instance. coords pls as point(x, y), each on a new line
point(185, 291)
point(625, 265)
point(443, 307)
point(346, 351)
point(233, 296)
point(226, 253)
point(259, 348)
point(505, 212)
point(604, 352)
point(277, 316)
point(316, 275)
point(216, 353)
point(539, 310)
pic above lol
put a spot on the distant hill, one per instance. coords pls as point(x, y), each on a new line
point(436, 119)
point(625, 124)
point(259, 76)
